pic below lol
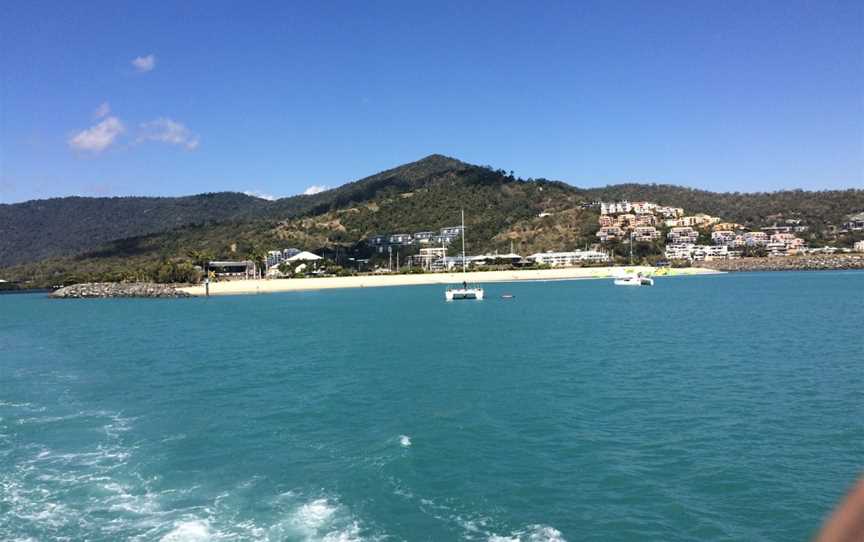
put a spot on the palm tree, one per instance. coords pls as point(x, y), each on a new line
point(200, 258)
point(257, 256)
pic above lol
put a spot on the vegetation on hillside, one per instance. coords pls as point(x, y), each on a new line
point(73, 239)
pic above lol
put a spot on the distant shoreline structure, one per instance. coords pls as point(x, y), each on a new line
point(263, 286)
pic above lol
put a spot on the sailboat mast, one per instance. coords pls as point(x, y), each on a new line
point(631, 249)
point(464, 270)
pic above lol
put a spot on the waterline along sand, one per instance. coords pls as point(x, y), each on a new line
point(481, 277)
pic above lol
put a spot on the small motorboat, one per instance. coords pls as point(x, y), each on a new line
point(507, 296)
point(634, 280)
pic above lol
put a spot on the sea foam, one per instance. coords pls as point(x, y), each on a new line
point(533, 533)
point(189, 531)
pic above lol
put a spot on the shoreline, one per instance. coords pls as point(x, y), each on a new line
point(264, 286)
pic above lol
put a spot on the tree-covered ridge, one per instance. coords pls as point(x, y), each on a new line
point(125, 238)
point(39, 229)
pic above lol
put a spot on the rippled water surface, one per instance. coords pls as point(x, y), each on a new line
point(705, 408)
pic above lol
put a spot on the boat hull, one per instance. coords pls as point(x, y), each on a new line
point(455, 294)
point(635, 281)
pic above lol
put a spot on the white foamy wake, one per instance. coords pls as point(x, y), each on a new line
point(324, 520)
point(404, 441)
point(533, 533)
point(194, 530)
point(314, 515)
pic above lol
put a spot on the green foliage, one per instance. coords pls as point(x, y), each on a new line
point(64, 240)
point(174, 272)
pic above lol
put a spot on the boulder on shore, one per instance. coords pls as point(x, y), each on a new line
point(117, 289)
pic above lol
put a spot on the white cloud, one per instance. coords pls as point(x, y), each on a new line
point(315, 189)
point(261, 195)
point(168, 131)
point(144, 63)
point(99, 137)
point(102, 110)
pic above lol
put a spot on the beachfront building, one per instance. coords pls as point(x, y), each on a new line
point(449, 263)
point(679, 251)
point(232, 270)
point(776, 249)
point(682, 235)
point(496, 259)
point(692, 252)
point(428, 258)
point(569, 259)
point(606, 221)
point(858, 246)
point(304, 257)
point(709, 252)
point(275, 257)
point(724, 237)
point(755, 238)
point(792, 243)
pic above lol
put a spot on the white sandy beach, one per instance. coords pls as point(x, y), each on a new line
point(480, 277)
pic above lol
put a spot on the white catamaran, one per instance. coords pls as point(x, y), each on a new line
point(465, 291)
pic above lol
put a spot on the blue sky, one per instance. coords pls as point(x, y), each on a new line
point(276, 98)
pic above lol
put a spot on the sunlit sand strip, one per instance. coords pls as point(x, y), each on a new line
point(480, 277)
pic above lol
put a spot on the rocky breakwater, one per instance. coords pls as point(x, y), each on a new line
point(117, 289)
point(814, 262)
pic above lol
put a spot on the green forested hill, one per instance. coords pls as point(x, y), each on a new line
point(39, 229)
point(69, 239)
point(43, 228)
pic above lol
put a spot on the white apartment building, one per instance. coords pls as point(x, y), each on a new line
point(565, 259)
point(680, 251)
point(646, 233)
point(723, 237)
point(609, 233)
point(643, 207)
point(696, 221)
point(689, 251)
point(669, 212)
point(710, 252)
point(755, 238)
point(615, 208)
point(682, 235)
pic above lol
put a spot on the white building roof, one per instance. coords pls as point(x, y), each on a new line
point(304, 256)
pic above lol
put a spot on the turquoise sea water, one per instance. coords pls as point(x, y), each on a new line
point(705, 408)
